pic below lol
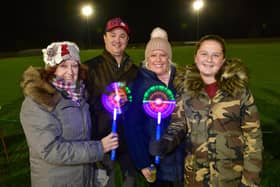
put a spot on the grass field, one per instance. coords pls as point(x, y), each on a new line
point(262, 59)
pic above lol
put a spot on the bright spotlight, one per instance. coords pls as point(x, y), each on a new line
point(197, 5)
point(87, 10)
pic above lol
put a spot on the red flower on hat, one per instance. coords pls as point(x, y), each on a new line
point(64, 50)
point(56, 52)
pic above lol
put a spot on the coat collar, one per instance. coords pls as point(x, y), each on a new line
point(109, 58)
point(38, 89)
point(231, 78)
point(148, 74)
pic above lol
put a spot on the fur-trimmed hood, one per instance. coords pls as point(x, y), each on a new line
point(42, 92)
point(232, 78)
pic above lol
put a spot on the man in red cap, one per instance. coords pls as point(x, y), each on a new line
point(113, 65)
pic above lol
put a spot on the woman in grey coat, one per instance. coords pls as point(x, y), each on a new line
point(56, 121)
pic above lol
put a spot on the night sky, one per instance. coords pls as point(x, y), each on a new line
point(35, 23)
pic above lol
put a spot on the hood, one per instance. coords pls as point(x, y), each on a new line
point(232, 78)
point(35, 87)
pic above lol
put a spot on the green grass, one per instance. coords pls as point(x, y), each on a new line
point(262, 59)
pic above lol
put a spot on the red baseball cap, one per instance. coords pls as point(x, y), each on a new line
point(116, 22)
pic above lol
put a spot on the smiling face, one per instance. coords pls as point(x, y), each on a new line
point(209, 58)
point(116, 41)
point(158, 62)
point(68, 70)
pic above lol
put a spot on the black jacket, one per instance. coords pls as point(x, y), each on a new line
point(104, 70)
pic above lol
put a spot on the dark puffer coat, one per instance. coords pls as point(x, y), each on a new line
point(103, 70)
point(140, 129)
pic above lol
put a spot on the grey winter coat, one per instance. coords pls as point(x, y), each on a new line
point(58, 135)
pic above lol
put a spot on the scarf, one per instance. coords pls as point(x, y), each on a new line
point(71, 90)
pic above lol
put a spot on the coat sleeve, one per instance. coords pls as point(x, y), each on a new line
point(176, 131)
point(253, 141)
point(44, 138)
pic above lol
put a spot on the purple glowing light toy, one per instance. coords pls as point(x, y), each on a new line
point(115, 96)
point(159, 103)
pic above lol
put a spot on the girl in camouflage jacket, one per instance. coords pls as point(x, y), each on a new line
point(217, 114)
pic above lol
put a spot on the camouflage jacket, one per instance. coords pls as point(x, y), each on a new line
point(224, 134)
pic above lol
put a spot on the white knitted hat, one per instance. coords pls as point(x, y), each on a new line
point(158, 41)
point(57, 52)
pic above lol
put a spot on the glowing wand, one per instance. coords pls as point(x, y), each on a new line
point(115, 96)
point(159, 103)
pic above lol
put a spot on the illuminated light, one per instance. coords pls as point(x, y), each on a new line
point(159, 103)
point(115, 96)
point(157, 99)
point(87, 10)
point(198, 4)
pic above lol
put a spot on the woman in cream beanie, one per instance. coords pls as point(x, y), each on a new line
point(158, 41)
point(160, 46)
point(140, 128)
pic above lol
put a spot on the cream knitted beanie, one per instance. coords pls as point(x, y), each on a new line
point(158, 41)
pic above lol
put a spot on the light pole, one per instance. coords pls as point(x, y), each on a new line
point(197, 6)
point(87, 12)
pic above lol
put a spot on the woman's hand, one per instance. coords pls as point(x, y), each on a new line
point(110, 142)
point(147, 173)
